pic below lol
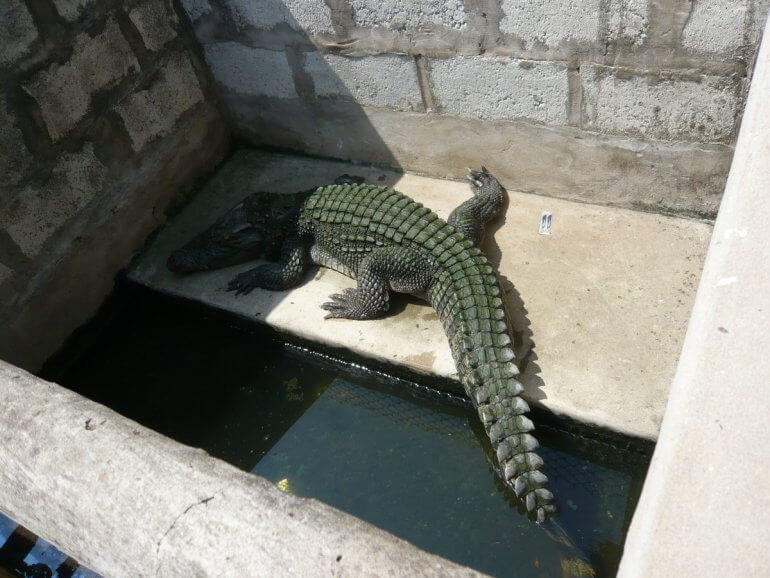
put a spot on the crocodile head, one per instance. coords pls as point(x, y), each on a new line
point(253, 228)
point(256, 227)
point(482, 180)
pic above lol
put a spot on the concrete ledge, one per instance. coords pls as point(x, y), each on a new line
point(126, 501)
point(705, 508)
point(606, 313)
point(656, 176)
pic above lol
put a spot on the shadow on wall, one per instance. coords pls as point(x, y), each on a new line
point(108, 116)
point(268, 70)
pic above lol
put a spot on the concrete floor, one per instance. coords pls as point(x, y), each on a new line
point(599, 307)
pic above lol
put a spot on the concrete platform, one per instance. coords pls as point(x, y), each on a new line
point(705, 508)
point(599, 307)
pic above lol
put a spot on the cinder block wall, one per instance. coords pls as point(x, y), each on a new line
point(633, 103)
point(107, 114)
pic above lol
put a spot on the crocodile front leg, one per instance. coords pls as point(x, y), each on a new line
point(284, 274)
point(388, 268)
point(487, 201)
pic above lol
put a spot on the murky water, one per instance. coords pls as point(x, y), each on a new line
point(405, 460)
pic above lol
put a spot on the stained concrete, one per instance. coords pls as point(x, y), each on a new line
point(17, 30)
point(38, 212)
point(560, 162)
point(409, 15)
point(64, 92)
point(584, 21)
point(385, 80)
point(501, 88)
point(151, 113)
point(155, 24)
point(671, 106)
point(605, 298)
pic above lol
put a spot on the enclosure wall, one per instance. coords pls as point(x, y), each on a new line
point(107, 114)
point(623, 102)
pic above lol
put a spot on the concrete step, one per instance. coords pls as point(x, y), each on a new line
point(599, 307)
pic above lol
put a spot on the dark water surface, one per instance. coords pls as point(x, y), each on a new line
point(404, 459)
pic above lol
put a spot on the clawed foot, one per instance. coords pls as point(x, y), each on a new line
point(245, 283)
point(342, 305)
point(269, 276)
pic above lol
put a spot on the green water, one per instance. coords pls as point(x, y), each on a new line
point(410, 462)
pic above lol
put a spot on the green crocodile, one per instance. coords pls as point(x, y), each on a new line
point(389, 242)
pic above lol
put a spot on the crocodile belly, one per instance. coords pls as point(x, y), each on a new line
point(323, 257)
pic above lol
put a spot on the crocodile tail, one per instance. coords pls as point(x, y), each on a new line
point(466, 296)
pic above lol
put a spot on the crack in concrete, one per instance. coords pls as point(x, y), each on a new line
point(179, 517)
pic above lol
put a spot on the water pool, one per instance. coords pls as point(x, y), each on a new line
point(391, 452)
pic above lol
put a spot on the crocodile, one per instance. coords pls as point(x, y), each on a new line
point(390, 243)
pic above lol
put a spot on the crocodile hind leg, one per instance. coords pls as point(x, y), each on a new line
point(284, 274)
point(388, 268)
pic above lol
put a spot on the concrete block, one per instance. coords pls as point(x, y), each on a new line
point(75, 277)
point(760, 9)
point(700, 109)
point(715, 27)
point(38, 212)
point(71, 10)
point(627, 21)
point(409, 15)
point(248, 70)
point(386, 80)
point(152, 113)
point(17, 30)
point(309, 15)
point(155, 22)
point(5, 273)
point(196, 8)
point(14, 156)
point(64, 91)
point(582, 21)
point(501, 88)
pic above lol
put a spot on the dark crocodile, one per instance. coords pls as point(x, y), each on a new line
point(389, 242)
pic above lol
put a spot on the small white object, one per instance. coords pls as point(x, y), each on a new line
point(545, 223)
point(726, 281)
point(730, 233)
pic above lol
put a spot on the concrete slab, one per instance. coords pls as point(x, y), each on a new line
point(604, 299)
point(705, 507)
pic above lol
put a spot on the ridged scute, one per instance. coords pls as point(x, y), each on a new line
point(467, 297)
point(464, 290)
